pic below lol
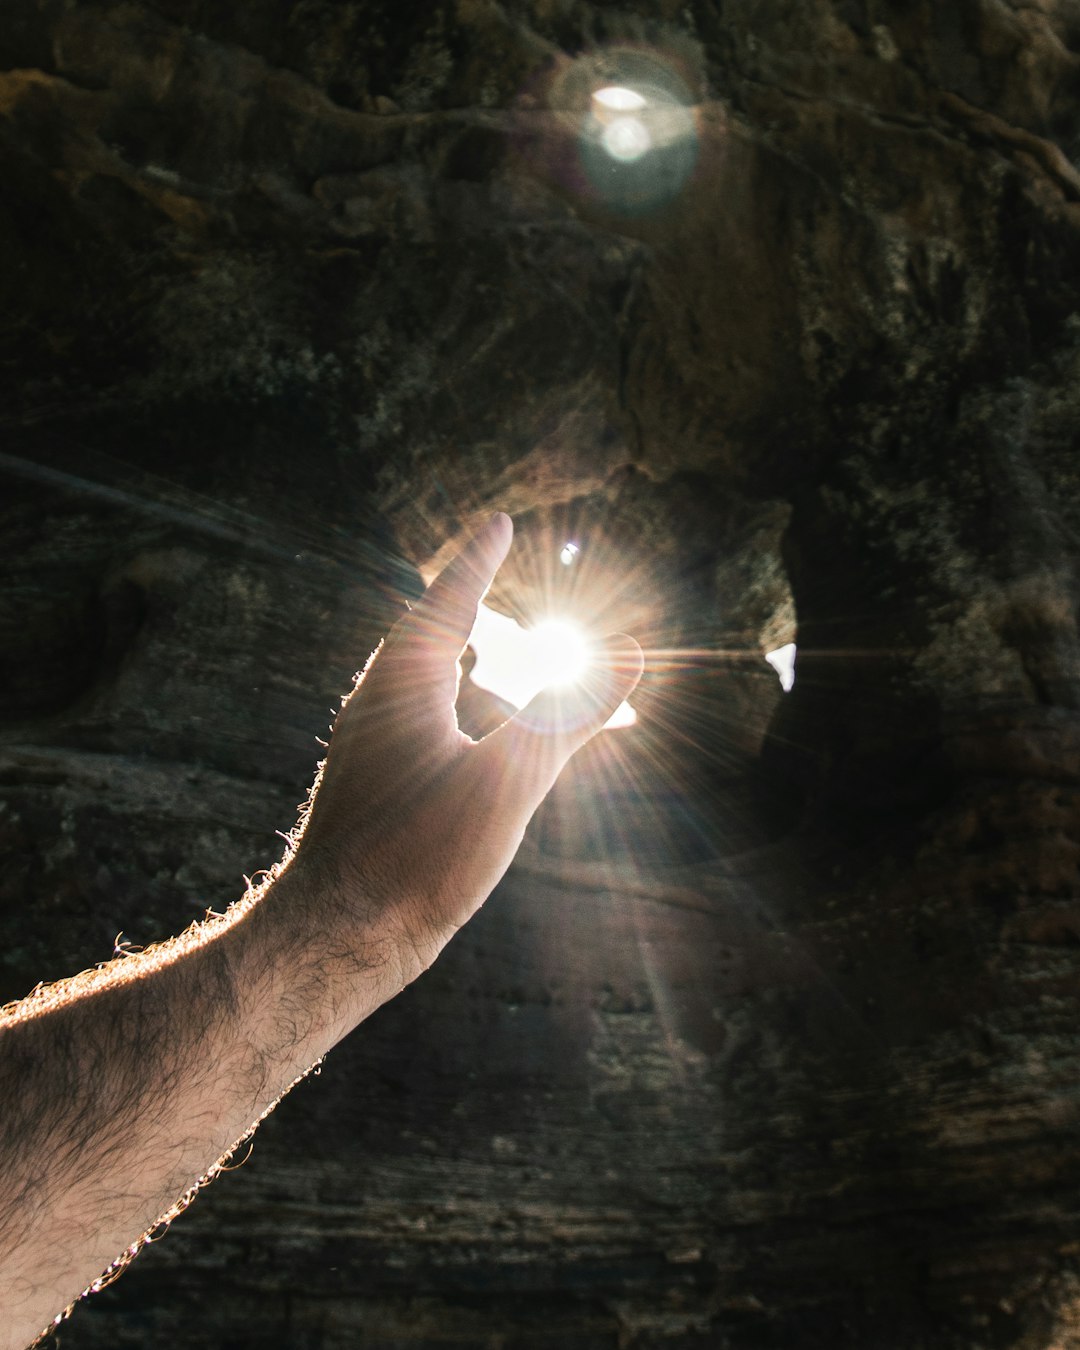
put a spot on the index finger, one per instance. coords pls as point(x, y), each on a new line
point(444, 615)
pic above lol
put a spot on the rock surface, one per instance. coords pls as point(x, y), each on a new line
point(771, 1037)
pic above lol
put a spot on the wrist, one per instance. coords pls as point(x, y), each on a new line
point(326, 948)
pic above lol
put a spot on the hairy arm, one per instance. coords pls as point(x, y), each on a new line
point(123, 1090)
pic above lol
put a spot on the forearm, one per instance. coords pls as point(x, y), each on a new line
point(118, 1093)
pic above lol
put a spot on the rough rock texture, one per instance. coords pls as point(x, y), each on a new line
point(772, 1036)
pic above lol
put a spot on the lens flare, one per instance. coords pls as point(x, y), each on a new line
point(638, 142)
point(617, 99)
point(626, 139)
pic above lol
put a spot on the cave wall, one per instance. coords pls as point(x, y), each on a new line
point(770, 1036)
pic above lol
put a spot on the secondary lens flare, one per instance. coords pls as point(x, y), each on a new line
point(617, 109)
point(627, 139)
point(616, 99)
point(638, 142)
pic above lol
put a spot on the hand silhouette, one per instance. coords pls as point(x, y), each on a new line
point(415, 820)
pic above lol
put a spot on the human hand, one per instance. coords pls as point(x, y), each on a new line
point(414, 821)
point(136, 1080)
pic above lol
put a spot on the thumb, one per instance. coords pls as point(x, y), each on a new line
point(534, 745)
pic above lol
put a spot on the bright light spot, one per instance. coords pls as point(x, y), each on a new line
point(618, 99)
point(515, 663)
point(626, 139)
point(561, 652)
point(568, 554)
point(638, 138)
point(783, 662)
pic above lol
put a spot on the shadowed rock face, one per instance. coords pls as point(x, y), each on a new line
point(771, 1037)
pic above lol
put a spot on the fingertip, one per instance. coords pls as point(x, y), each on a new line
point(498, 529)
point(495, 538)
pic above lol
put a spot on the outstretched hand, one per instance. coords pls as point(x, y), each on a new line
point(417, 821)
point(135, 1080)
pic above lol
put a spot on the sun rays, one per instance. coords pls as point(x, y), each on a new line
point(668, 789)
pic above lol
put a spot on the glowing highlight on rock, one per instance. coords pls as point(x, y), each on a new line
point(782, 661)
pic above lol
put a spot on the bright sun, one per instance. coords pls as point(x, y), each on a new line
point(560, 652)
point(515, 663)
